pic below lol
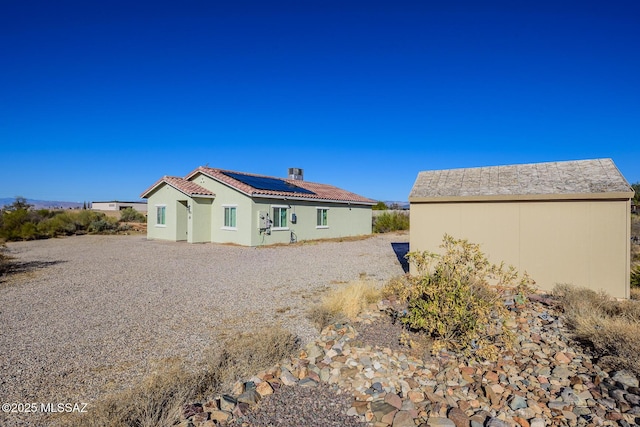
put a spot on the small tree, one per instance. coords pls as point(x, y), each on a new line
point(380, 206)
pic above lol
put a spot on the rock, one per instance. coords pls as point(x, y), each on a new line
point(537, 422)
point(403, 419)
point(287, 378)
point(393, 400)
point(250, 397)
point(189, 410)
point(440, 422)
point(561, 358)
point(241, 409)
point(307, 382)
point(561, 372)
point(414, 396)
point(459, 418)
point(227, 403)
point(380, 409)
point(517, 402)
point(497, 422)
point(523, 422)
point(220, 416)
point(264, 388)
point(626, 378)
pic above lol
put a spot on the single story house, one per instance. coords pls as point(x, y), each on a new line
point(562, 222)
point(118, 206)
point(222, 206)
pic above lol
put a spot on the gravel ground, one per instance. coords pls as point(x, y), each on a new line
point(96, 313)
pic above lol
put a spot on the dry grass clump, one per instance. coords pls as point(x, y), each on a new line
point(158, 400)
point(610, 328)
point(345, 301)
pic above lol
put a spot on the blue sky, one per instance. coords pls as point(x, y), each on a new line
point(99, 99)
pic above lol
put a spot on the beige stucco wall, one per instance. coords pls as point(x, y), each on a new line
point(582, 242)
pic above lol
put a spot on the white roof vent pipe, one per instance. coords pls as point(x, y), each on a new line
point(296, 173)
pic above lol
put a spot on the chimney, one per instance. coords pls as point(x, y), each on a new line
point(295, 173)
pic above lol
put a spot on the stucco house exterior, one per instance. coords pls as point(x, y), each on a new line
point(562, 222)
point(222, 206)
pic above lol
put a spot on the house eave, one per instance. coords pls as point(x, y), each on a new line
point(309, 199)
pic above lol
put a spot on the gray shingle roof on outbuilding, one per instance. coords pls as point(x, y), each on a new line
point(587, 179)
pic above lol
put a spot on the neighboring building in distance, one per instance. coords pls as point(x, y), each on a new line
point(562, 222)
point(118, 206)
point(222, 206)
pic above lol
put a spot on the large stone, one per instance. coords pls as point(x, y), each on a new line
point(403, 419)
point(459, 418)
point(393, 400)
point(440, 422)
point(288, 378)
point(220, 416)
point(517, 402)
point(264, 388)
point(537, 422)
point(250, 397)
point(626, 378)
point(497, 422)
point(227, 403)
point(380, 409)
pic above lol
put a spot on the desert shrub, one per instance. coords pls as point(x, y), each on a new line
point(391, 221)
point(158, 400)
point(103, 225)
point(456, 298)
point(131, 215)
point(61, 224)
point(13, 222)
point(606, 326)
point(345, 301)
point(84, 218)
point(635, 277)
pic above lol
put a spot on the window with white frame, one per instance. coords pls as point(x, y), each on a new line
point(161, 211)
point(280, 217)
point(322, 215)
point(230, 217)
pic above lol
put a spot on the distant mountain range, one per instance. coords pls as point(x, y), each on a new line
point(43, 204)
point(402, 205)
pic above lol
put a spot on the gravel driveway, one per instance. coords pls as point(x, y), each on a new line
point(101, 311)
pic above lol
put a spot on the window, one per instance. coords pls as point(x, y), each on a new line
point(322, 218)
point(280, 217)
point(160, 215)
point(230, 217)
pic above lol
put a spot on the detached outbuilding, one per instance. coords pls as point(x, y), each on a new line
point(562, 222)
point(222, 206)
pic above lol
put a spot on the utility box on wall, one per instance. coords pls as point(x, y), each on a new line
point(263, 220)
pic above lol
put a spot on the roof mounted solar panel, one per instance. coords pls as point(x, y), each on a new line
point(269, 184)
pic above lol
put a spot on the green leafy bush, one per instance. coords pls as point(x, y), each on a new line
point(131, 215)
point(391, 221)
point(457, 298)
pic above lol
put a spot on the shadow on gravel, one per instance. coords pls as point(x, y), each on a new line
point(9, 267)
point(401, 249)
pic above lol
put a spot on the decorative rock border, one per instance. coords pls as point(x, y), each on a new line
point(542, 381)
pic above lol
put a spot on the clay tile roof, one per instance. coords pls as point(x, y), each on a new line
point(319, 191)
point(586, 179)
point(187, 187)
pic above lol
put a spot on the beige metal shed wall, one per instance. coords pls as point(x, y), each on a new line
point(585, 243)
